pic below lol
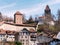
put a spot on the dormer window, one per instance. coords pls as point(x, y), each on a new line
point(24, 31)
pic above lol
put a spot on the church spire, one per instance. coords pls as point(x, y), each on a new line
point(47, 10)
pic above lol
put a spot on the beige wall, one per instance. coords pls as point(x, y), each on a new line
point(11, 38)
point(14, 28)
point(24, 39)
point(19, 19)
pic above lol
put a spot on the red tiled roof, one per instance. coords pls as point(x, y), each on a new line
point(32, 30)
point(7, 32)
point(2, 31)
point(18, 13)
point(41, 16)
point(26, 25)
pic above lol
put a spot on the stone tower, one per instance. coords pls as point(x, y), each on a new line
point(47, 10)
point(48, 15)
point(18, 18)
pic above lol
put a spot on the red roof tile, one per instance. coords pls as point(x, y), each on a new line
point(41, 16)
point(32, 30)
point(18, 13)
point(7, 32)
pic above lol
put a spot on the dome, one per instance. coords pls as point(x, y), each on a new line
point(18, 13)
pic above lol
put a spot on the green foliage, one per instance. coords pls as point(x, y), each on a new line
point(44, 27)
point(30, 20)
point(57, 27)
point(18, 43)
point(58, 15)
point(52, 28)
point(40, 26)
point(39, 30)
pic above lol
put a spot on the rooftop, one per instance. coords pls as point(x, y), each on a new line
point(26, 25)
point(47, 7)
point(7, 32)
point(18, 13)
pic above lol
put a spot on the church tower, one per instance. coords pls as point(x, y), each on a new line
point(18, 18)
point(47, 10)
point(48, 15)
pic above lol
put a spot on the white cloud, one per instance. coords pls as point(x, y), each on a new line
point(36, 9)
point(53, 2)
point(8, 6)
point(39, 7)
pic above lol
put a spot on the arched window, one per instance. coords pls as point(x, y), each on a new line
point(25, 31)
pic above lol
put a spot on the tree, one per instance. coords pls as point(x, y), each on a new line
point(24, 19)
point(40, 28)
point(36, 19)
point(1, 16)
point(30, 20)
point(58, 15)
point(18, 43)
point(7, 19)
point(57, 24)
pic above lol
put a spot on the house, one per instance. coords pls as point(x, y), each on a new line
point(41, 20)
point(7, 36)
point(10, 36)
point(2, 35)
point(24, 36)
point(26, 33)
point(43, 40)
point(18, 24)
point(27, 36)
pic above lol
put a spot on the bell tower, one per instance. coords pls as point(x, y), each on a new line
point(18, 18)
point(47, 10)
point(48, 15)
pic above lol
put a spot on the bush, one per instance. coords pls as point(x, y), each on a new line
point(18, 43)
point(40, 30)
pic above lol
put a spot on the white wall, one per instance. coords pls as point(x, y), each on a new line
point(14, 28)
point(11, 38)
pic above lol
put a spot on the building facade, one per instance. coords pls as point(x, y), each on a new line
point(27, 37)
point(47, 17)
point(25, 34)
point(18, 18)
point(7, 36)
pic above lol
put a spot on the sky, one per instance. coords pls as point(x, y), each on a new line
point(28, 7)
